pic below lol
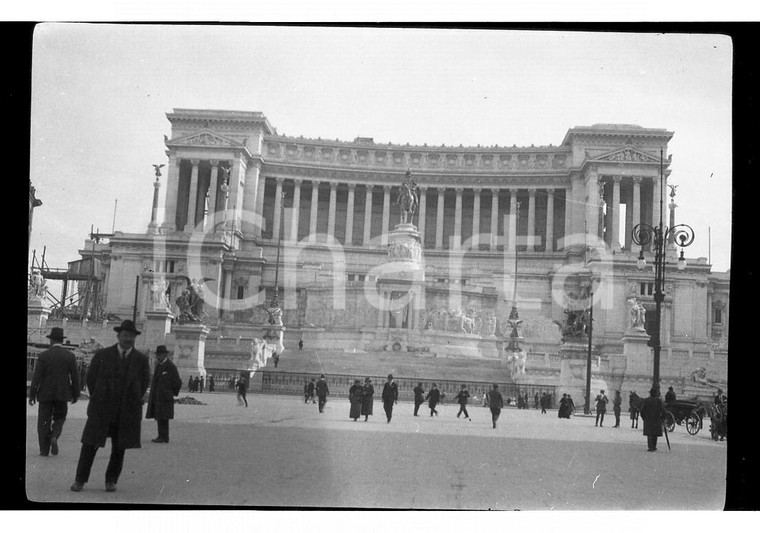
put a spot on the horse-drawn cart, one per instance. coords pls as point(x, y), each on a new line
point(687, 412)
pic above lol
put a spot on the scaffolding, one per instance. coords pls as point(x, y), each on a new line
point(81, 284)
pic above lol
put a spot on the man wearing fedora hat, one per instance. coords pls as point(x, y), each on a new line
point(117, 380)
point(164, 386)
point(54, 383)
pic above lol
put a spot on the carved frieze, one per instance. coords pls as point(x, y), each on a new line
point(204, 139)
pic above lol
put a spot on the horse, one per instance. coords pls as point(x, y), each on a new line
point(634, 407)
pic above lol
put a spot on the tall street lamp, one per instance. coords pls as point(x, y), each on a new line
point(643, 234)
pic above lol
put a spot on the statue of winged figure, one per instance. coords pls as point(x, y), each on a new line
point(190, 301)
point(158, 168)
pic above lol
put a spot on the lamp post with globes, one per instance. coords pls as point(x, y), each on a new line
point(642, 234)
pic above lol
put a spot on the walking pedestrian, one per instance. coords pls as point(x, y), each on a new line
point(117, 379)
point(419, 398)
point(535, 401)
point(241, 391)
point(190, 382)
point(322, 392)
point(196, 384)
point(461, 397)
point(164, 386)
point(55, 382)
point(433, 397)
point(652, 413)
point(564, 408)
point(616, 402)
point(311, 389)
point(276, 358)
point(390, 397)
point(601, 408)
point(306, 391)
point(211, 383)
point(300, 344)
point(544, 402)
point(201, 382)
point(495, 403)
point(520, 401)
point(355, 398)
point(368, 391)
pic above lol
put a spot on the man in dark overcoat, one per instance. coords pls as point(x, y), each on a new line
point(419, 397)
point(601, 408)
point(652, 413)
point(117, 380)
point(495, 403)
point(461, 397)
point(368, 398)
point(390, 397)
point(54, 383)
point(164, 387)
point(322, 392)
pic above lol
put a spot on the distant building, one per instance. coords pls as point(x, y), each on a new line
point(229, 173)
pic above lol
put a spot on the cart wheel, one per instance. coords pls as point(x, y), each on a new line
point(670, 421)
point(692, 424)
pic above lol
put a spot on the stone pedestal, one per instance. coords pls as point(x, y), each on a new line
point(36, 316)
point(158, 325)
point(274, 337)
point(573, 370)
point(638, 355)
point(189, 349)
point(401, 280)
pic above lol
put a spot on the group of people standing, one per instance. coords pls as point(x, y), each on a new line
point(197, 383)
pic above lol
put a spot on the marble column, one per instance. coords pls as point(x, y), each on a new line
point(531, 237)
point(475, 220)
point(568, 217)
point(592, 203)
point(259, 203)
point(331, 209)
point(314, 207)
point(458, 219)
point(636, 213)
point(192, 200)
point(237, 185)
point(422, 214)
point(350, 215)
point(494, 219)
point(367, 216)
point(386, 213)
point(615, 217)
point(513, 218)
point(212, 188)
point(656, 194)
point(277, 209)
point(549, 220)
point(172, 190)
point(295, 215)
point(439, 221)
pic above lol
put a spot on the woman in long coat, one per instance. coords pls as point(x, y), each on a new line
point(652, 413)
point(368, 390)
point(355, 396)
point(564, 408)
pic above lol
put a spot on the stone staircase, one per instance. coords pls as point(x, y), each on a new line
point(408, 365)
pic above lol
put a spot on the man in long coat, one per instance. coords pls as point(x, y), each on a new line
point(495, 403)
point(419, 397)
point(322, 392)
point(652, 413)
point(601, 408)
point(54, 383)
point(117, 380)
point(390, 396)
point(164, 387)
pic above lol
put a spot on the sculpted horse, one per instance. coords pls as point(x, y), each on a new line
point(407, 198)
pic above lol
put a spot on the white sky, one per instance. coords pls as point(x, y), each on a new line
point(100, 94)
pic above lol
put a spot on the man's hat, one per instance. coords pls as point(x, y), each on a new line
point(161, 350)
point(127, 325)
point(367, 379)
point(390, 376)
point(56, 333)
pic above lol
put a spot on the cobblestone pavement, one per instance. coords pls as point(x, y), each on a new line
point(280, 452)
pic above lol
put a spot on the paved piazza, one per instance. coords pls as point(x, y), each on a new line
point(280, 452)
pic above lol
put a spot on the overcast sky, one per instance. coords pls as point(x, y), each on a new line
point(100, 94)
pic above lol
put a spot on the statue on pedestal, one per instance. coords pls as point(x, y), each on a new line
point(191, 301)
point(37, 289)
point(637, 314)
point(408, 198)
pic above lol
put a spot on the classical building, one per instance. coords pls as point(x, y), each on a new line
point(314, 225)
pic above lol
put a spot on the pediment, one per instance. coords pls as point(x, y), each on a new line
point(627, 154)
point(204, 138)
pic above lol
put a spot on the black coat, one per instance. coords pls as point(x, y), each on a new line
point(368, 391)
point(390, 392)
point(322, 390)
point(355, 396)
point(115, 397)
point(419, 395)
point(164, 387)
point(495, 400)
point(652, 413)
point(55, 376)
point(433, 397)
